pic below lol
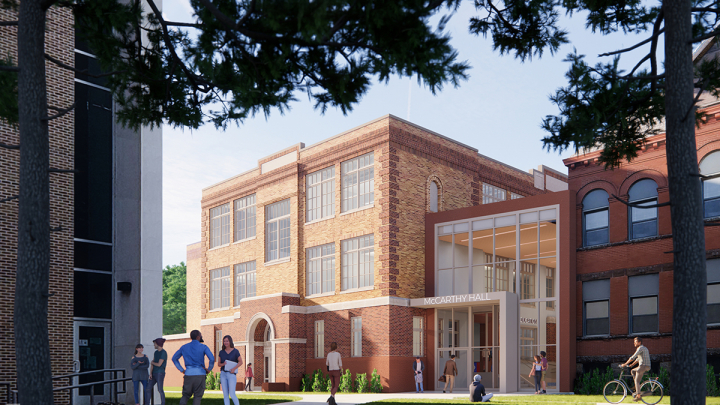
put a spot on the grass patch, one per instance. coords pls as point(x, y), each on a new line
point(245, 399)
point(531, 400)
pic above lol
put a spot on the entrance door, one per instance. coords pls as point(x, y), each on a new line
point(461, 361)
point(92, 351)
point(486, 347)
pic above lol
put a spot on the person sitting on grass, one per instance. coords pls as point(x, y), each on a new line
point(477, 391)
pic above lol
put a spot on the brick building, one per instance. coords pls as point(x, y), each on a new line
point(326, 243)
point(109, 214)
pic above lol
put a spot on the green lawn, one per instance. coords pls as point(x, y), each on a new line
point(245, 399)
point(531, 400)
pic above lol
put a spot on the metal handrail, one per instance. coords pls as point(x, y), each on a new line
point(13, 394)
point(107, 370)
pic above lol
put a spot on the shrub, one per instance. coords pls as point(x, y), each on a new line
point(375, 384)
point(306, 383)
point(712, 387)
point(212, 382)
point(318, 381)
point(346, 382)
point(329, 383)
point(361, 382)
point(663, 378)
point(593, 383)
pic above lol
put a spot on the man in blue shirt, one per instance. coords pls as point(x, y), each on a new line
point(193, 354)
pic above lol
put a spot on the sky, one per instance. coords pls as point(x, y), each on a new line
point(498, 111)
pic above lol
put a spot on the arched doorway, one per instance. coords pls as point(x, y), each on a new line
point(260, 350)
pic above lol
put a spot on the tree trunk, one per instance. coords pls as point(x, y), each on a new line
point(34, 375)
point(689, 277)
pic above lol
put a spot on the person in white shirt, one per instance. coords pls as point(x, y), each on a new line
point(642, 359)
point(334, 366)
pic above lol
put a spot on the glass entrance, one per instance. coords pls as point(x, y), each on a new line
point(92, 351)
point(486, 346)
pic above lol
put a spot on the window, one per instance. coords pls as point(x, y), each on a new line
point(220, 225)
point(321, 269)
point(220, 288)
point(319, 339)
point(358, 183)
point(245, 218)
point(595, 218)
point(643, 293)
point(527, 281)
point(596, 307)
point(514, 196)
point(643, 221)
point(710, 166)
point(358, 257)
point(713, 291)
point(321, 194)
point(550, 287)
point(356, 335)
point(418, 335)
point(218, 340)
point(277, 230)
point(434, 197)
point(528, 340)
point(244, 281)
point(492, 194)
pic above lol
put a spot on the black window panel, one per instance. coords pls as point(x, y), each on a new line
point(92, 357)
point(79, 43)
point(644, 323)
point(595, 199)
point(596, 237)
point(91, 65)
point(93, 256)
point(643, 189)
point(93, 295)
point(93, 160)
point(644, 229)
point(597, 326)
point(712, 208)
point(713, 313)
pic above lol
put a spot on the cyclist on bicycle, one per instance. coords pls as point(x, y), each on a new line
point(642, 359)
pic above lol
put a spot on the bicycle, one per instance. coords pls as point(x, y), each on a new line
point(615, 391)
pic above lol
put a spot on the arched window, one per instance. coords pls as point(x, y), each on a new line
point(595, 218)
point(710, 166)
point(434, 197)
point(643, 222)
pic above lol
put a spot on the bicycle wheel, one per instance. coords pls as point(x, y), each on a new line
point(652, 392)
point(614, 392)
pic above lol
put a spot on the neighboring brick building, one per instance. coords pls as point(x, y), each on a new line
point(109, 214)
point(327, 243)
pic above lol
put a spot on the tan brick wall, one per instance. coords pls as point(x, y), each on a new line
point(59, 43)
point(194, 296)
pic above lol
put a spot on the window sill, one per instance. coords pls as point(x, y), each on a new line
point(327, 294)
point(219, 247)
point(245, 240)
point(624, 242)
point(315, 221)
point(367, 207)
point(358, 290)
point(278, 261)
point(220, 309)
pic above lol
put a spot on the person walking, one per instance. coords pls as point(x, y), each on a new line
point(248, 377)
point(418, 368)
point(450, 372)
point(157, 369)
point(536, 371)
point(139, 365)
point(334, 366)
point(194, 373)
point(642, 359)
point(477, 391)
point(229, 362)
point(544, 362)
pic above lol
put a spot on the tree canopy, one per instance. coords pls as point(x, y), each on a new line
point(174, 298)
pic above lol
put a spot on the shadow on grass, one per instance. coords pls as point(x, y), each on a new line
point(529, 400)
point(249, 399)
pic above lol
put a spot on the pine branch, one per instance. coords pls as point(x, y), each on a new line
point(57, 229)
point(182, 24)
point(15, 197)
point(6, 146)
point(53, 170)
point(8, 23)
point(705, 36)
point(636, 205)
point(78, 71)
point(61, 112)
point(639, 44)
point(4, 68)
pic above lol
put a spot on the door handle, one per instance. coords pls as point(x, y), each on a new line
point(76, 366)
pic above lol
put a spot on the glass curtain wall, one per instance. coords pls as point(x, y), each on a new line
point(515, 253)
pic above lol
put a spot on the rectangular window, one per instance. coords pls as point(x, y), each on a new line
point(321, 194)
point(643, 221)
point(356, 334)
point(418, 335)
point(596, 307)
point(245, 281)
point(711, 196)
point(527, 281)
point(643, 294)
point(277, 230)
point(321, 269)
point(514, 196)
point(220, 288)
point(713, 303)
point(245, 218)
point(528, 340)
point(218, 340)
point(220, 225)
point(319, 339)
point(358, 257)
point(492, 194)
point(550, 287)
point(358, 182)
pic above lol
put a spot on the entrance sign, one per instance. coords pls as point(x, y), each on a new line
point(452, 299)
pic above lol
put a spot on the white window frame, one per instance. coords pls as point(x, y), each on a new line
point(220, 282)
point(356, 336)
point(358, 182)
point(493, 194)
point(245, 218)
point(319, 339)
point(514, 196)
point(247, 273)
point(218, 340)
point(277, 241)
point(358, 263)
point(220, 225)
point(320, 194)
point(320, 269)
point(418, 336)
